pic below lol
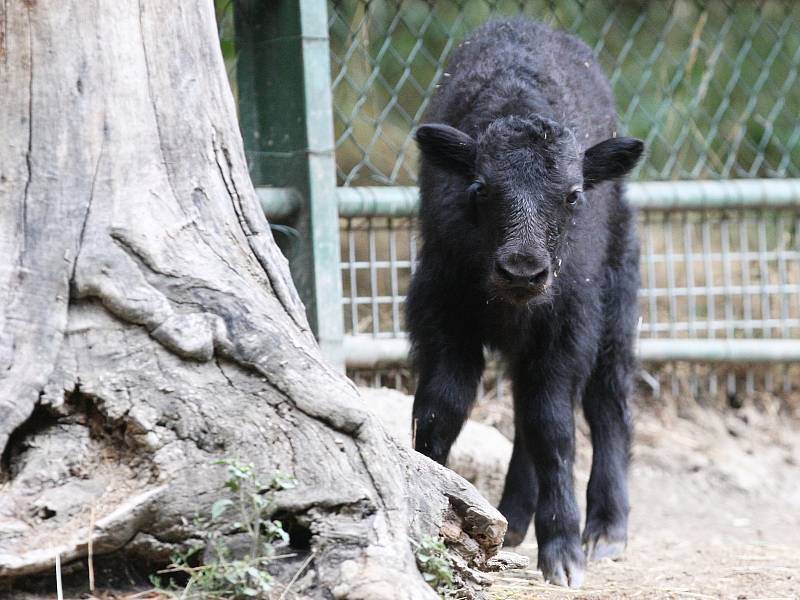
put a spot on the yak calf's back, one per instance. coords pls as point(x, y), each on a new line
point(522, 67)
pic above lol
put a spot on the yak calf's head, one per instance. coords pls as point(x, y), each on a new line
point(524, 179)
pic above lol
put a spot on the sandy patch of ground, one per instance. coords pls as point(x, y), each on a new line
point(715, 513)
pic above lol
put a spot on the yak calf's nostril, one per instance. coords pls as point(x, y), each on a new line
point(521, 275)
point(539, 277)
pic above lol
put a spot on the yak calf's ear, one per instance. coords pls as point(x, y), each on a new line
point(447, 148)
point(611, 159)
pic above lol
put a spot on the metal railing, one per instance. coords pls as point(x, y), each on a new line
point(712, 86)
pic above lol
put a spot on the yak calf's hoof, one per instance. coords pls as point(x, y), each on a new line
point(604, 542)
point(513, 538)
point(562, 562)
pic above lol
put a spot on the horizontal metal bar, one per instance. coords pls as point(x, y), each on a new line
point(652, 195)
point(365, 352)
point(397, 201)
point(377, 201)
point(729, 351)
point(724, 193)
point(279, 204)
point(702, 324)
point(656, 259)
point(711, 291)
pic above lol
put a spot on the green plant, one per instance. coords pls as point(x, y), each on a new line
point(222, 574)
point(436, 566)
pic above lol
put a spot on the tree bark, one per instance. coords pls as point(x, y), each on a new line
point(149, 325)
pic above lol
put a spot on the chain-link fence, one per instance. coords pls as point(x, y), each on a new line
point(711, 86)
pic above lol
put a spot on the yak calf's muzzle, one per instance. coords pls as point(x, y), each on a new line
point(520, 276)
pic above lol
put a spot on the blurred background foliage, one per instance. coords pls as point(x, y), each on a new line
point(227, 40)
point(711, 86)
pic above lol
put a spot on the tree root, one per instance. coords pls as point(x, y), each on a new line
point(162, 421)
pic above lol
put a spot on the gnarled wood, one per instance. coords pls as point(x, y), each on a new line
point(148, 323)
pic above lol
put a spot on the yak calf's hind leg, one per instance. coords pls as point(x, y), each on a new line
point(448, 382)
point(520, 492)
point(605, 404)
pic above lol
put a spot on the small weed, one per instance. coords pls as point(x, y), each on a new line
point(436, 566)
point(223, 576)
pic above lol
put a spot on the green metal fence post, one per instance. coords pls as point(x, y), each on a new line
point(283, 74)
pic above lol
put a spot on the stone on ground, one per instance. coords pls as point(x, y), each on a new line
point(480, 454)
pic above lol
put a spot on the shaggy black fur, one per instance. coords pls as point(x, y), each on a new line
point(530, 249)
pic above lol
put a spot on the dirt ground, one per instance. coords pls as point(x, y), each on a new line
point(715, 501)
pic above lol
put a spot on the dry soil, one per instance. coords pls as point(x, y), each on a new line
point(715, 512)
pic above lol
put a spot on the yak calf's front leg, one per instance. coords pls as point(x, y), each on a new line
point(547, 422)
point(448, 382)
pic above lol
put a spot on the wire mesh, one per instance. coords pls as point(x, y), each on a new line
point(720, 274)
point(711, 86)
point(714, 274)
point(705, 274)
point(378, 256)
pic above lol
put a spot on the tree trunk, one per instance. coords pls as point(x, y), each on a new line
point(148, 322)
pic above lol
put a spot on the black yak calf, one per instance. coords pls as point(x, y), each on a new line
point(529, 248)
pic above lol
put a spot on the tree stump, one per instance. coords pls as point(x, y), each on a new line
point(149, 325)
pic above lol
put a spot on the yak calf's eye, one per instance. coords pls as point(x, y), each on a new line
point(575, 196)
point(475, 189)
point(474, 192)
